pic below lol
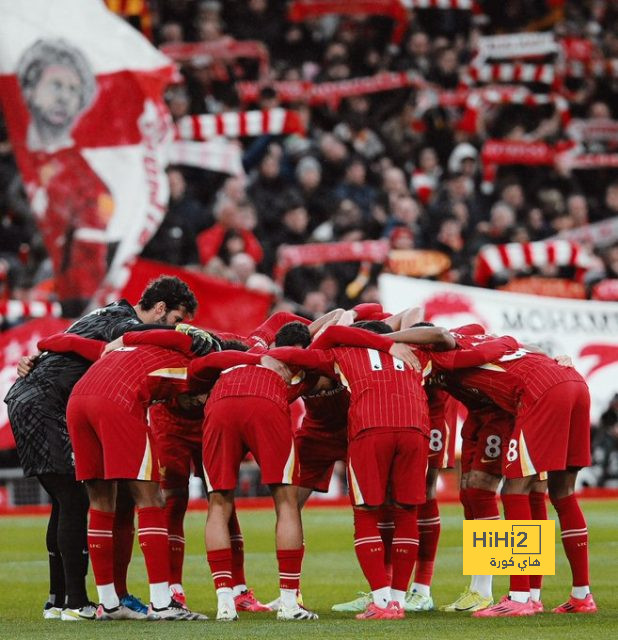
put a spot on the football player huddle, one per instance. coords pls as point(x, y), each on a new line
point(115, 414)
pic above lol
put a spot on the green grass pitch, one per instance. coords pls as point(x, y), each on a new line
point(330, 574)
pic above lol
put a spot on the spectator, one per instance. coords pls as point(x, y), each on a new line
point(512, 194)
point(174, 241)
point(609, 265)
point(178, 102)
point(258, 21)
point(230, 235)
point(265, 191)
point(445, 72)
point(354, 187)
point(347, 218)
point(319, 201)
point(406, 213)
point(609, 209)
point(426, 177)
point(577, 209)
point(501, 221)
point(450, 240)
point(416, 53)
point(315, 303)
point(334, 157)
point(172, 32)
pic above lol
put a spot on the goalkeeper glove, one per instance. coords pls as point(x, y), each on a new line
point(202, 342)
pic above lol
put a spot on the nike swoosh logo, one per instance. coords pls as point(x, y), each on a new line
point(488, 460)
point(466, 609)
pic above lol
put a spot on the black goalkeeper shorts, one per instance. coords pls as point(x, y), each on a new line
point(41, 436)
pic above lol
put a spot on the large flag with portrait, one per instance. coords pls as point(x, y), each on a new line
point(81, 92)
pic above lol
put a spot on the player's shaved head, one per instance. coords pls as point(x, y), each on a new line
point(375, 326)
point(292, 334)
point(233, 345)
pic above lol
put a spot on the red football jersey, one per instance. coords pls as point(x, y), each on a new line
point(132, 376)
point(237, 374)
point(515, 380)
point(168, 417)
point(327, 409)
point(384, 392)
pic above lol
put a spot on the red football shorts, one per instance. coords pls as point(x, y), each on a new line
point(484, 437)
point(234, 426)
point(442, 434)
point(318, 449)
point(110, 443)
point(384, 464)
point(179, 447)
point(551, 434)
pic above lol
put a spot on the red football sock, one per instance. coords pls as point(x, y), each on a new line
point(101, 545)
point(290, 563)
point(220, 563)
point(238, 550)
point(152, 536)
point(124, 535)
point(574, 533)
point(429, 535)
point(517, 507)
point(370, 548)
point(175, 509)
point(463, 498)
point(405, 547)
point(538, 509)
point(386, 526)
point(483, 504)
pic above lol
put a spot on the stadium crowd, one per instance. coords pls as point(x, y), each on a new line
point(396, 164)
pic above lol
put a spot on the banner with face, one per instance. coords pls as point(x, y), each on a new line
point(81, 92)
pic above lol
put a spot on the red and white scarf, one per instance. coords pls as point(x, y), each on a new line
point(331, 92)
point(517, 256)
point(234, 124)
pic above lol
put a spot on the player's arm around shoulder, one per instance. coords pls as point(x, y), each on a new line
point(438, 337)
point(72, 343)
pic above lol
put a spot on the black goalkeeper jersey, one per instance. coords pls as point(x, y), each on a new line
point(37, 403)
point(57, 373)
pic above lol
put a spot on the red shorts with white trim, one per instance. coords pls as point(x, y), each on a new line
point(318, 450)
point(484, 437)
point(110, 443)
point(384, 464)
point(179, 446)
point(442, 434)
point(234, 426)
point(552, 434)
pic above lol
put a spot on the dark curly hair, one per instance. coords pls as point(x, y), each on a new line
point(171, 290)
point(293, 333)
